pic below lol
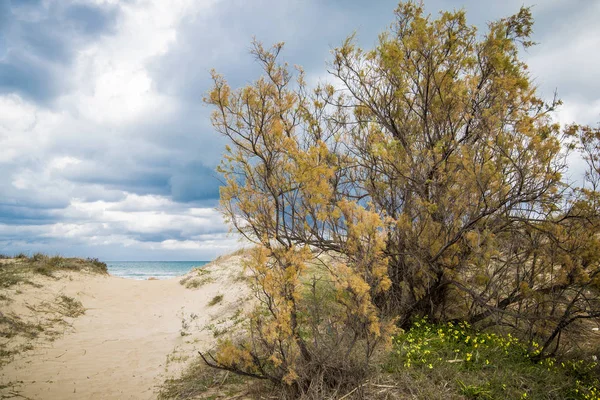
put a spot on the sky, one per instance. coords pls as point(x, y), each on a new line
point(106, 147)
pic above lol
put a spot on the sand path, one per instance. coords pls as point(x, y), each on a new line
point(119, 348)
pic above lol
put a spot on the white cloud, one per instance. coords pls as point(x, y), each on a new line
point(61, 163)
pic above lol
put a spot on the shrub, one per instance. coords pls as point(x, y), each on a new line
point(432, 172)
point(316, 330)
point(98, 265)
point(39, 257)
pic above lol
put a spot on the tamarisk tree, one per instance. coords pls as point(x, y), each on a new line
point(428, 181)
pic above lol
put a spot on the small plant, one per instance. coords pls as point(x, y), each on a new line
point(218, 332)
point(201, 278)
point(216, 300)
point(70, 307)
point(38, 257)
point(44, 270)
point(475, 392)
point(55, 262)
point(185, 324)
point(184, 328)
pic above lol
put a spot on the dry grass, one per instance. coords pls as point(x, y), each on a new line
point(13, 328)
point(46, 321)
point(197, 278)
point(21, 269)
point(201, 382)
point(26, 319)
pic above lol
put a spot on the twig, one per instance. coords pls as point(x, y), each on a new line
point(237, 396)
point(353, 390)
point(224, 378)
point(349, 393)
point(17, 394)
point(384, 386)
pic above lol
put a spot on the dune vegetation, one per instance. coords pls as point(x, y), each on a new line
point(26, 320)
point(19, 269)
point(415, 234)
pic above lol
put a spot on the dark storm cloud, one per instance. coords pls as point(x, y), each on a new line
point(90, 20)
point(222, 39)
point(194, 182)
point(119, 175)
point(23, 215)
point(311, 29)
point(41, 40)
point(19, 73)
point(37, 198)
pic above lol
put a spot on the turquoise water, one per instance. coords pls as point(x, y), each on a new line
point(147, 269)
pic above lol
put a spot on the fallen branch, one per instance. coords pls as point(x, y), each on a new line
point(224, 368)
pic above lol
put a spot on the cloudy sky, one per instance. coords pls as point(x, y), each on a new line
point(106, 149)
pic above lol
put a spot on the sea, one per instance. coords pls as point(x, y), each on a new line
point(142, 270)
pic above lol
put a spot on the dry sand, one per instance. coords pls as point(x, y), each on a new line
point(132, 336)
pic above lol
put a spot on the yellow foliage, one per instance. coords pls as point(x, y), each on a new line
point(432, 181)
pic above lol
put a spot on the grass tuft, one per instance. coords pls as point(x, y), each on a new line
point(199, 279)
point(12, 325)
point(216, 300)
point(70, 307)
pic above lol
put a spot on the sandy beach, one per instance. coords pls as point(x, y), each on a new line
point(132, 335)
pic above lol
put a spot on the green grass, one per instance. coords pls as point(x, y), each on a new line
point(21, 268)
point(455, 361)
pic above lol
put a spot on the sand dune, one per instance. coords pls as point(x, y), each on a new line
point(132, 335)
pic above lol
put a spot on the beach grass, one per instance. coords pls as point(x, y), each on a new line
point(197, 278)
point(21, 268)
point(216, 300)
point(36, 319)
